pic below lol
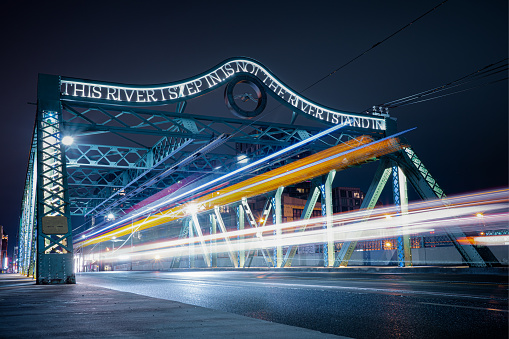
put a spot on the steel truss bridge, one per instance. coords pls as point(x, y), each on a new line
point(137, 154)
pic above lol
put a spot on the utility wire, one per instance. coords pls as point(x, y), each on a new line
point(463, 90)
point(374, 46)
point(346, 64)
point(486, 71)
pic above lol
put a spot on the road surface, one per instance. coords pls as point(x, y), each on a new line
point(358, 305)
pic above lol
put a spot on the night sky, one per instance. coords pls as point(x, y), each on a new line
point(461, 138)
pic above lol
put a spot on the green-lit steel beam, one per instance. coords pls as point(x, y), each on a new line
point(427, 188)
point(54, 231)
point(376, 187)
point(314, 193)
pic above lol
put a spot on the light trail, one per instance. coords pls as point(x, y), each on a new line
point(423, 217)
point(355, 151)
point(221, 179)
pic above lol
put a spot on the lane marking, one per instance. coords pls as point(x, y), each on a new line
point(472, 307)
point(320, 287)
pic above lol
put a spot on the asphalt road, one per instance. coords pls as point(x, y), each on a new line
point(358, 305)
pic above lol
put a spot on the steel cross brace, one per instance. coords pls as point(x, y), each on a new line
point(427, 188)
point(375, 189)
point(254, 224)
point(306, 214)
point(222, 227)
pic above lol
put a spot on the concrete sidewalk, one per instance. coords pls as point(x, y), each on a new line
point(81, 311)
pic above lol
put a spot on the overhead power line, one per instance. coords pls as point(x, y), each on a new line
point(374, 46)
point(349, 62)
point(476, 76)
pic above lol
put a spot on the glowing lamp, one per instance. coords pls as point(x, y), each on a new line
point(67, 140)
point(242, 159)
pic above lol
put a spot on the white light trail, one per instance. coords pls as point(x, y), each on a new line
point(423, 217)
point(224, 177)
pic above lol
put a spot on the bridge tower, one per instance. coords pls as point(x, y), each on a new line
point(54, 231)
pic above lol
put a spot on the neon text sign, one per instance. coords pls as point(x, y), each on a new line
point(131, 95)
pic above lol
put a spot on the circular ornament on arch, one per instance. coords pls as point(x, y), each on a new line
point(245, 97)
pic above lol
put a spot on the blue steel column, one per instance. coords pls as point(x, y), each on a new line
point(213, 247)
point(189, 222)
point(240, 226)
point(401, 200)
point(277, 220)
point(54, 230)
point(328, 246)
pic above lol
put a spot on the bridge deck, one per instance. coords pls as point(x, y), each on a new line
point(34, 311)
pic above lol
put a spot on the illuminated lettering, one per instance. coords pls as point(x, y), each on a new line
point(311, 110)
point(302, 107)
point(139, 96)
point(241, 66)
point(335, 118)
point(319, 113)
point(254, 70)
point(151, 95)
point(292, 100)
point(190, 89)
point(111, 92)
point(197, 84)
point(79, 90)
point(346, 120)
point(274, 85)
point(183, 90)
point(65, 91)
point(281, 92)
point(228, 70)
point(96, 92)
point(212, 79)
point(172, 91)
point(129, 97)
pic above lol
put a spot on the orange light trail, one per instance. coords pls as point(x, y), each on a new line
point(353, 152)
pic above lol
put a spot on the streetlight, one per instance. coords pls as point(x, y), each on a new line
point(67, 140)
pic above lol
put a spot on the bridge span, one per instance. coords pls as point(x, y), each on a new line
point(122, 177)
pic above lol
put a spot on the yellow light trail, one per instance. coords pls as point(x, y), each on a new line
point(353, 152)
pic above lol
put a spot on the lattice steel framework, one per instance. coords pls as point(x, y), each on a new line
point(124, 156)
